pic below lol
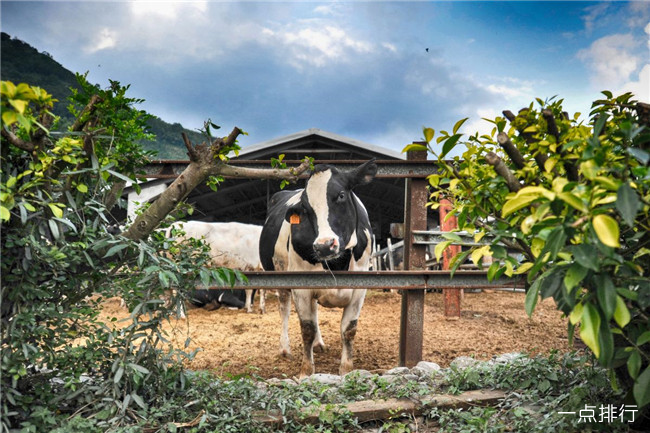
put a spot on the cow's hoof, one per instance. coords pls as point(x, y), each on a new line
point(318, 348)
point(285, 353)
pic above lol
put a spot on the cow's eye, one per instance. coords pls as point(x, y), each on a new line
point(341, 196)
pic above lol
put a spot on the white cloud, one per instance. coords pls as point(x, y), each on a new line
point(104, 39)
point(611, 59)
point(390, 47)
point(166, 9)
point(593, 14)
point(318, 46)
point(640, 88)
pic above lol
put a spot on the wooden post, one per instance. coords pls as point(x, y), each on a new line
point(452, 297)
point(415, 218)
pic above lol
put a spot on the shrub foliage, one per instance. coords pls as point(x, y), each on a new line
point(572, 198)
point(60, 261)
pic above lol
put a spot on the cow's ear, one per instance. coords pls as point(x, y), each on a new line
point(363, 174)
point(293, 215)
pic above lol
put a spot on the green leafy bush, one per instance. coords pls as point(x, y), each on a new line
point(59, 263)
point(572, 199)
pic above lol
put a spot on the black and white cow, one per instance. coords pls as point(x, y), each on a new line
point(323, 226)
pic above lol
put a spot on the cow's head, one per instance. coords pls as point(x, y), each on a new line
point(324, 220)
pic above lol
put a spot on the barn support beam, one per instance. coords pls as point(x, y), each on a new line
point(415, 218)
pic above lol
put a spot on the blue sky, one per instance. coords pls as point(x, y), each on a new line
point(359, 69)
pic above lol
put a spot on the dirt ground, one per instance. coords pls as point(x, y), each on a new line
point(234, 342)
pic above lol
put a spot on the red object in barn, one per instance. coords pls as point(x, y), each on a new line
point(452, 297)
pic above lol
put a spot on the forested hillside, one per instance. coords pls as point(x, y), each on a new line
point(23, 63)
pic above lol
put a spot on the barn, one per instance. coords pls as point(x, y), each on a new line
point(245, 200)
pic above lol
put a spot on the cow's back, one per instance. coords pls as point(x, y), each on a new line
point(232, 245)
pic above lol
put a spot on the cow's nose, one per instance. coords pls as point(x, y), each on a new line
point(326, 247)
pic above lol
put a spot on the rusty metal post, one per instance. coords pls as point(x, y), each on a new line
point(452, 297)
point(415, 218)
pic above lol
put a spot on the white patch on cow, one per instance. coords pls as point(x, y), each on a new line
point(317, 195)
point(363, 264)
point(295, 199)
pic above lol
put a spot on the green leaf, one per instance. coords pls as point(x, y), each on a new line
point(56, 211)
point(449, 144)
point(452, 236)
point(138, 400)
point(585, 256)
point(414, 147)
point(532, 296)
point(5, 215)
point(440, 248)
point(118, 375)
point(606, 294)
point(459, 124)
point(606, 344)
point(120, 176)
point(164, 280)
point(643, 338)
point(627, 203)
point(518, 202)
point(428, 134)
point(590, 328)
point(114, 250)
point(574, 275)
point(573, 201)
point(458, 260)
point(54, 228)
point(641, 388)
point(82, 188)
point(621, 314)
point(641, 155)
point(607, 230)
point(634, 364)
point(555, 241)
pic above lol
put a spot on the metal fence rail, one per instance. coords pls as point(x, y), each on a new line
point(402, 280)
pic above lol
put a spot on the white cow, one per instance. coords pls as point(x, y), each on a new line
point(232, 245)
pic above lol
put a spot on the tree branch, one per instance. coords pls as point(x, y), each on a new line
point(82, 119)
point(503, 171)
point(511, 150)
point(290, 174)
point(17, 141)
point(190, 149)
point(569, 166)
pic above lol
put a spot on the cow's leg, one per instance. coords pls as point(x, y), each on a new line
point(349, 329)
point(262, 301)
point(318, 345)
point(308, 328)
point(249, 304)
point(285, 308)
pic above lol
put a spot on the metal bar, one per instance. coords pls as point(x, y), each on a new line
point(402, 280)
point(415, 218)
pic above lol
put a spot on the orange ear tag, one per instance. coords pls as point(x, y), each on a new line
point(294, 219)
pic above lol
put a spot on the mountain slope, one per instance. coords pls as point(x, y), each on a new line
point(22, 63)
